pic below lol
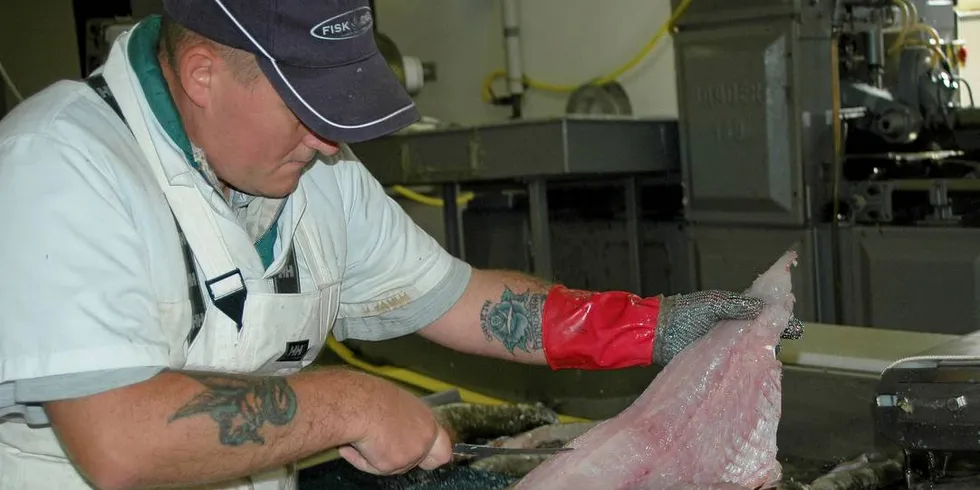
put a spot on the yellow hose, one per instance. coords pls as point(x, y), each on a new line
point(909, 15)
point(420, 380)
point(407, 193)
point(613, 75)
point(936, 51)
point(911, 24)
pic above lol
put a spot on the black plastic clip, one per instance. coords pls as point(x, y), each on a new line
point(231, 297)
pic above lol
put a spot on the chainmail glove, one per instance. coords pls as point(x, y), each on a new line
point(686, 318)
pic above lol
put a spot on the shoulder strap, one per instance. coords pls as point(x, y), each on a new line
point(286, 282)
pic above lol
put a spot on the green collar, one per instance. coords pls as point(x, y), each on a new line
point(143, 58)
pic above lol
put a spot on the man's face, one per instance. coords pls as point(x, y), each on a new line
point(252, 141)
point(260, 148)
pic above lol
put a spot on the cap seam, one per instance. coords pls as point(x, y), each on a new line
point(281, 62)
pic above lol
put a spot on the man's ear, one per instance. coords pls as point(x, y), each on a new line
point(198, 66)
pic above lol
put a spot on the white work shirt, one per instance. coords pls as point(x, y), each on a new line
point(91, 255)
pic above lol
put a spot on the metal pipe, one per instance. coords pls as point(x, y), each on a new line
point(876, 55)
point(453, 221)
point(634, 239)
point(537, 192)
point(838, 162)
point(512, 51)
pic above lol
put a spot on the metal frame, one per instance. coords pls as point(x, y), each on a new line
point(566, 147)
point(528, 153)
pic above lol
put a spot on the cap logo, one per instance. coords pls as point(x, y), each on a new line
point(347, 25)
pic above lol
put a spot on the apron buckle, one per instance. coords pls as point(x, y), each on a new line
point(228, 294)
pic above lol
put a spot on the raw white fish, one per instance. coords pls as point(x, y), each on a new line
point(708, 420)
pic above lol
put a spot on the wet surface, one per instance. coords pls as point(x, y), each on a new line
point(798, 474)
point(339, 475)
point(799, 470)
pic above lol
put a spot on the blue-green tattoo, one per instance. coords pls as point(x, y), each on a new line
point(241, 405)
point(515, 320)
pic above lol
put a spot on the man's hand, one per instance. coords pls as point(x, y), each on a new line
point(683, 319)
point(402, 433)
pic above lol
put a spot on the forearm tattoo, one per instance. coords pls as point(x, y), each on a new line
point(241, 406)
point(514, 320)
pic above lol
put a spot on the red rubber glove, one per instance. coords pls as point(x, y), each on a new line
point(612, 330)
point(590, 330)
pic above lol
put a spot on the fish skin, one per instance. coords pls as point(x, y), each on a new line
point(553, 435)
point(721, 430)
point(872, 474)
point(470, 422)
point(512, 465)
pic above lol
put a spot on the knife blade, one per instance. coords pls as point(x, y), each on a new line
point(463, 449)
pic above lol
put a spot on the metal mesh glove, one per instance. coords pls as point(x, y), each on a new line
point(688, 317)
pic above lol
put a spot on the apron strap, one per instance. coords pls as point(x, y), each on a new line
point(287, 280)
point(99, 85)
point(231, 302)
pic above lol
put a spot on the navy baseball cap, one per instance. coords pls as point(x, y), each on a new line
point(320, 56)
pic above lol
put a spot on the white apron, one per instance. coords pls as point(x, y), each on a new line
point(280, 332)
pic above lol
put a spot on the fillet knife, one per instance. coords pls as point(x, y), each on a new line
point(463, 449)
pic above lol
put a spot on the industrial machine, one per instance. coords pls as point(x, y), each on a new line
point(929, 406)
point(901, 106)
point(837, 125)
point(908, 158)
point(844, 125)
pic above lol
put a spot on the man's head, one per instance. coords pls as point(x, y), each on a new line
point(262, 85)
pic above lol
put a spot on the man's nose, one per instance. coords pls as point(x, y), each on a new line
point(326, 147)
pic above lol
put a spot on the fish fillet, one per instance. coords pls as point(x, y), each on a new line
point(708, 420)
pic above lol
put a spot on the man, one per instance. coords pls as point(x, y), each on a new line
point(189, 229)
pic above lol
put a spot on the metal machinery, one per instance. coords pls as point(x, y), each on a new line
point(929, 405)
point(839, 125)
point(834, 124)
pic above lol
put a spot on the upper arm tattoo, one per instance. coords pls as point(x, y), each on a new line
point(241, 405)
point(515, 320)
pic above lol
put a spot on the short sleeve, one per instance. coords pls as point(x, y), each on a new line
point(77, 296)
point(397, 279)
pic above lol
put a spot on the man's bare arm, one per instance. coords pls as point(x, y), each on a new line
point(499, 316)
point(183, 428)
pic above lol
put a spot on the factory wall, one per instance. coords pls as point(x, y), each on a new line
point(37, 45)
point(564, 42)
point(969, 29)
